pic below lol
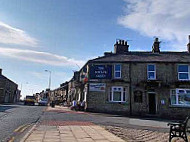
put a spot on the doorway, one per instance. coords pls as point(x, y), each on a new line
point(152, 103)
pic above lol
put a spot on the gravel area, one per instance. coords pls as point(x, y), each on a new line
point(137, 135)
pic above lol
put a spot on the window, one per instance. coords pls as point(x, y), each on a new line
point(117, 94)
point(183, 72)
point(117, 71)
point(151, 72)
point(180, 97)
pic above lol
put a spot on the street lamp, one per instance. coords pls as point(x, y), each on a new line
point(21, 87)
point(49, 77)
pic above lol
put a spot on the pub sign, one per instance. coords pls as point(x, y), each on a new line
point(100, 72)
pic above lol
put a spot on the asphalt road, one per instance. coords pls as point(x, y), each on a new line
point(16, 119)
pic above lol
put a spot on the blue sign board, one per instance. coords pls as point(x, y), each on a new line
point(100, 72)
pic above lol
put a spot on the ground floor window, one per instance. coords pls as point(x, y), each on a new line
point(180, 97)
point(117, 94)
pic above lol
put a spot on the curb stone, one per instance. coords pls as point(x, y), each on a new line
point(33, 127)
point(28, 133)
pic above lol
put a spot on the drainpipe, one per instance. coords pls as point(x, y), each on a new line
point(130, 90)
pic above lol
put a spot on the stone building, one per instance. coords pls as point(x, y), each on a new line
point(138, 83)
point(9, 92)
point(59, 95)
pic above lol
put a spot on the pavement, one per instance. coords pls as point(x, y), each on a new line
point(70, 131)
point(60, 124)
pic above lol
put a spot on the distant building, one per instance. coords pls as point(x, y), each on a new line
point(9, 92)
point(59, 95)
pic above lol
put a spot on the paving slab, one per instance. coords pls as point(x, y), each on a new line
point(72, 133)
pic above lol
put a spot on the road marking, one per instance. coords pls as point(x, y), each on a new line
point(22, 128)
point(12, 139)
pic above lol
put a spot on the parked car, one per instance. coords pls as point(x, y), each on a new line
point(29, 100)
point(43, 102)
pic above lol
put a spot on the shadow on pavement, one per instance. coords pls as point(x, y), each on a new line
point(3, 108)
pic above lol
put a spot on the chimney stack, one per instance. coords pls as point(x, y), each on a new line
point(121, 47)
point(156, 46)
point(188, 45)
point(0, 71)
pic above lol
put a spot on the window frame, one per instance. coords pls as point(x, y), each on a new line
point(151, 71)
point(188, 72)
point(123, 92)
point(176, 94)
point(117, 71)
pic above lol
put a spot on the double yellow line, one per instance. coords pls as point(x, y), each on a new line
point(20, 129)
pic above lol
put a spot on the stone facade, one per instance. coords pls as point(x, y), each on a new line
point(8, 90)
point(166, 79)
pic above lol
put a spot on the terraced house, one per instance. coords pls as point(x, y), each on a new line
point(9, 92)
point(139, 83)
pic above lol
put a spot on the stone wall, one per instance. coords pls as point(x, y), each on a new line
point(167, 76)
point(8, 91)
point(99, 101)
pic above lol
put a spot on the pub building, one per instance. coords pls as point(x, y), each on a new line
point(145, 83)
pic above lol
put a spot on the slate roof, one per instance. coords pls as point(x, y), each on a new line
point(5, 78)
point(168, 57)
point(2, 77)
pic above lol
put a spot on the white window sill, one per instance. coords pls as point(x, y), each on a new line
point(180, 106)
point(118, 102)
point(151, 78)
point(117, 77)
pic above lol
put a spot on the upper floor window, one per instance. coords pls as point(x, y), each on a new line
point(117, 71)
point(151, 72)
point(118, 94)
point(183, 72)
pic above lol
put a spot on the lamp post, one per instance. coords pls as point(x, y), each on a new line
point(21, 87)
point(49, 77)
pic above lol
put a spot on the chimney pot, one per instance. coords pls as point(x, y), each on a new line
point(156, 39)
point(156, 46)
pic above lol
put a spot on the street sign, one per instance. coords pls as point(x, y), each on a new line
point(97, 87)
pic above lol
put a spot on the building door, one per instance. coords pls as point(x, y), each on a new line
point(152, 103)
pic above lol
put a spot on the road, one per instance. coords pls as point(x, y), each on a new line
point(16, 119)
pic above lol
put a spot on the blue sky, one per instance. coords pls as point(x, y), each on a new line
point(58, 35)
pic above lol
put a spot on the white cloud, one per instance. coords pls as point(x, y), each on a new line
point(167, 19)
point(40, 57)
point(11, 35)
